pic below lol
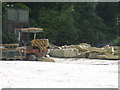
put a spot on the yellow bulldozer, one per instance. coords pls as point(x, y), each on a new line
point(28, 47)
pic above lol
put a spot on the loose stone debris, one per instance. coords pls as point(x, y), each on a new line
point(46, 59)
point(84, 50)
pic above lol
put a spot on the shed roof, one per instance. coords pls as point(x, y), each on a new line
point(32, 30)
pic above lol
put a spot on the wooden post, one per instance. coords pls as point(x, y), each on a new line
point(34, 36)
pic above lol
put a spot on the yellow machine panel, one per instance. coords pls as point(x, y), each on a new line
point(42, 44)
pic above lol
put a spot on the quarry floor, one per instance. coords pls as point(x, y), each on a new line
point(63, 73)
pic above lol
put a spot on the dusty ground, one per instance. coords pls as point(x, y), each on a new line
point(64, 73)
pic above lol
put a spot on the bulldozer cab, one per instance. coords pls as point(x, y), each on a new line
point(26, 35)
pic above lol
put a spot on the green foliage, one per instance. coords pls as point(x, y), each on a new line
point(59, 26)
point(8, 37)
point(4, 4)
point(21, 6)
point(116, 42)
point(74, 23)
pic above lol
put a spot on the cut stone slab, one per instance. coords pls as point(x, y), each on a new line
point(105, 56)
point(94, 49)
point(96, 55)
point(83, 55)
point(111, 56)
point(64, 53)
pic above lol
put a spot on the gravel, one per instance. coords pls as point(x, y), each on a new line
point(63, 73)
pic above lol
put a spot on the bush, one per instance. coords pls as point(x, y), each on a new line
point(116, 41)
point(8, 37)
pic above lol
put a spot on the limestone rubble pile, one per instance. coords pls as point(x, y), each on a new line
point(85, 44)
point(110, 49)
point(116, 50)
point(84, 50)
point(82, 47)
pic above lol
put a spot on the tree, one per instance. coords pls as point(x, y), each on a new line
point(74, 23)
